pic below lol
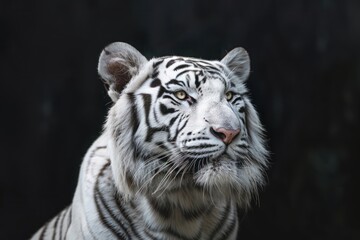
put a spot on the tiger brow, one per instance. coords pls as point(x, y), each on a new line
point(175, 82)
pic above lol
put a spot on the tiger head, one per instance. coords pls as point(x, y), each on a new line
point(180, 123)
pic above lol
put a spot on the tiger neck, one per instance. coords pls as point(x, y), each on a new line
point(187, 212)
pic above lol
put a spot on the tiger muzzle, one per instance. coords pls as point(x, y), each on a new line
point(225, 135)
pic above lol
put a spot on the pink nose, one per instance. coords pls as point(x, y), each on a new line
point(226, 135)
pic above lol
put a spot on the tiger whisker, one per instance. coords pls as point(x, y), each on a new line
point(180, 168)
point(167, 175)
point(158, 171)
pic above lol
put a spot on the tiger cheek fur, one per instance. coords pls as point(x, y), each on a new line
point(182, 150)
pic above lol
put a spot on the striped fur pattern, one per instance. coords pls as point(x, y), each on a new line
point(181, 153)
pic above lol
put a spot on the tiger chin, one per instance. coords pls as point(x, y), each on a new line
point(181, 152)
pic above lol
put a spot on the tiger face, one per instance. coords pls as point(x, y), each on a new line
point(182, 123)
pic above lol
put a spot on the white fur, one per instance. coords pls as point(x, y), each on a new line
point(184, 169)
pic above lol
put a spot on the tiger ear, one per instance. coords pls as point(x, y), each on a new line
point(118, 64)
point(238, 62)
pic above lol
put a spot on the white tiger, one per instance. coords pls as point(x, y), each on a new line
point(181, 151)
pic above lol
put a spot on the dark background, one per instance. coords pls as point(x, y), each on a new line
point(305, 82)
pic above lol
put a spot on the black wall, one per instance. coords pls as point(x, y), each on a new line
point(305, 82)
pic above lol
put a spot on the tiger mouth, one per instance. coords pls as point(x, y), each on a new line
point(197, 161)
point(198, 152)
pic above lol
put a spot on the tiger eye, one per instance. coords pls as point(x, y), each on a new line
point(181, 95)
point(229, 96)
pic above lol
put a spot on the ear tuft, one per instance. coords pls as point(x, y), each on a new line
point(118, 63)
point(238, 62)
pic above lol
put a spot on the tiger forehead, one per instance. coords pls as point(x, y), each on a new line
point(188, 69)
point(181, 63)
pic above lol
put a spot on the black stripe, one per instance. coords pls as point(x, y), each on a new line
point(204, 79)
point(181, 66)
point(173, 120)
point(70, 220)
point(171, 125)
point(155, 83)
point(156, 64)
point(197, 61)
point(99, 199)
point(134, 120)
point(236, 99)
point(133, 112)
point(162, 146)
point(62, 221)
point(125, 215)
point(148, 234)
point(198, 154)
point(193, 214)
point(147, 101)
point(163, 210)
point(55, 226)
point(42, 235)
point(229, 230)
point(162, 90)
point(150, 132)
point(200, 163)
point(201, 146)
point(197, 81)
point(156, 117)
point(175, 82)
point(61, 224)
point(240, 162)
point(147, 106)
point(188, 80)
point(242, 120)
point(163, 158)
point(179, 129)
point(171, 62)
point(155, 74)
point(246, 122)
point(181, 73)
point(243, 145)
point(198, 138)
point(165, 110)
point(173, 99)
point(92, 154)
point(104, 221)
point(184, 125)
point(221, 222)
